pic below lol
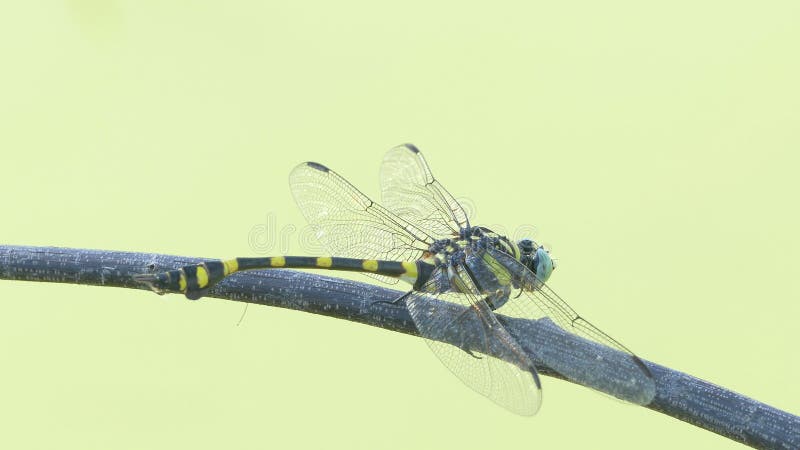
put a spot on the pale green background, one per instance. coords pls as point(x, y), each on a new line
point(655, 149)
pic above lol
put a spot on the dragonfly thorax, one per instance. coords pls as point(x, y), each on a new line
point(447, 251)
point(453, 250)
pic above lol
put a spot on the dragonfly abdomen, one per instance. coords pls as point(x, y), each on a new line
point(380, 267)
point(195, 280)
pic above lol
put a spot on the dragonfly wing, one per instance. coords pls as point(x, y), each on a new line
point(347, 223)
point(537, 300)
point(409, 189)
point(465, 335)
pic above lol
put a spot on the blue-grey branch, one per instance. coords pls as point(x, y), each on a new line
point(677, 394)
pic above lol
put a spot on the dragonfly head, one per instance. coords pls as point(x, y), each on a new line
point(536, 258)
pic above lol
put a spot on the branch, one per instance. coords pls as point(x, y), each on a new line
point(677, 394)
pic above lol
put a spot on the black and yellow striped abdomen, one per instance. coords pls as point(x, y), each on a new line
point(195, 280)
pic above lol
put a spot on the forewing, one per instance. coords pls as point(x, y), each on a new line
point(409, 189)
point(466, 336)
point(348, 223)
point(536, 300)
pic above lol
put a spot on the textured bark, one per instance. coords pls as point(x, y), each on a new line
point(677, 394)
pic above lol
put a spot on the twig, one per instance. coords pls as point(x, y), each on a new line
point(677, 394)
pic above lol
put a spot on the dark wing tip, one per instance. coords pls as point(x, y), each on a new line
point(642, 366)
point(535, 374)
point(317, 166)
point(411, 147)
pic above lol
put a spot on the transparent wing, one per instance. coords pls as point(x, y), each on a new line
point(409, 189)
point(465, 335)
point(536, 300)
point(348, 223)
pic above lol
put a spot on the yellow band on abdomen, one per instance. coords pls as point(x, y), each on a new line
point(230, 266)
point(277, 261)
point(182, 282)
point(325, 261)
point(202, 277)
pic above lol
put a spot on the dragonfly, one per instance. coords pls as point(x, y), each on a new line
point(462, 276)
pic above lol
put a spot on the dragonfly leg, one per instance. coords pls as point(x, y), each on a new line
point(395, 302)
point(469, 352)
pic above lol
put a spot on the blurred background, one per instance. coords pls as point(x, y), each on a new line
point(653, 147)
